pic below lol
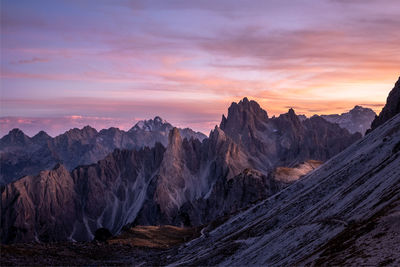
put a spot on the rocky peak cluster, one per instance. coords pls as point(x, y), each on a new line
point(181, 180)
point(22, 155)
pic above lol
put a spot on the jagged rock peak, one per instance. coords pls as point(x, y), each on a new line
point(16, 132)
point(356, 120)
point(174, 137)
point(86, 129)
point(217, 134)
point(15, 136)
point(41, 137)
point(357, 107)
point(244, 100)
point(251, 105)
point(391, 108)
point(292, 114)
point(42, 134)
point(60, 168)
point(357, 110)
point(151, 125)
point(243, 113)
point(76, 133)
point(159, 120)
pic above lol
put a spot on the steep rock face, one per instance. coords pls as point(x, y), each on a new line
point(39, 208)
point(285, 140)
point(229, 196)
point(246, 124)
point(391, 108)
point(59, 205)
point(324, 140)
point(188, 172)
point(22, 155)
point(358, 119)
point(177, 184)
point(242, 116)
point(112, 191)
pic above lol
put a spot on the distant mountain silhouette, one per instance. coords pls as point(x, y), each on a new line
point(22, 155)
point(358, 119)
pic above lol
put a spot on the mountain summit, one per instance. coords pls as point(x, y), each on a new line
point(156, 124)
point(356, 120)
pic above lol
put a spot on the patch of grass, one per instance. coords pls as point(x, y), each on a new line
point(164, 236)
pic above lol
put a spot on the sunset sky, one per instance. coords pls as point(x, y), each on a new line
point(106, 63)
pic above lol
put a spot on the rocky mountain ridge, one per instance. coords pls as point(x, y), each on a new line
point(358, 119)
point(22, 155)
point(177, 184)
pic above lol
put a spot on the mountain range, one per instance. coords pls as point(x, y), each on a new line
point(277, 191)
point(22, 155)
point(178, 184)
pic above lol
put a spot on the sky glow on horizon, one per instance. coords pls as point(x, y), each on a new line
point(106, 63)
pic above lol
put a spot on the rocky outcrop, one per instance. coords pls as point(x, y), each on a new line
point(40, 208)
point(59, 205)
point(177, 182)
point(358, 119)
point(226, 197)
point(22, 155)
point(285, 140)
point(188, 172)
point(391, 109)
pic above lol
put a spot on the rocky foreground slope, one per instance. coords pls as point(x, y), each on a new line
point(188, 182)
point(21, 155)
